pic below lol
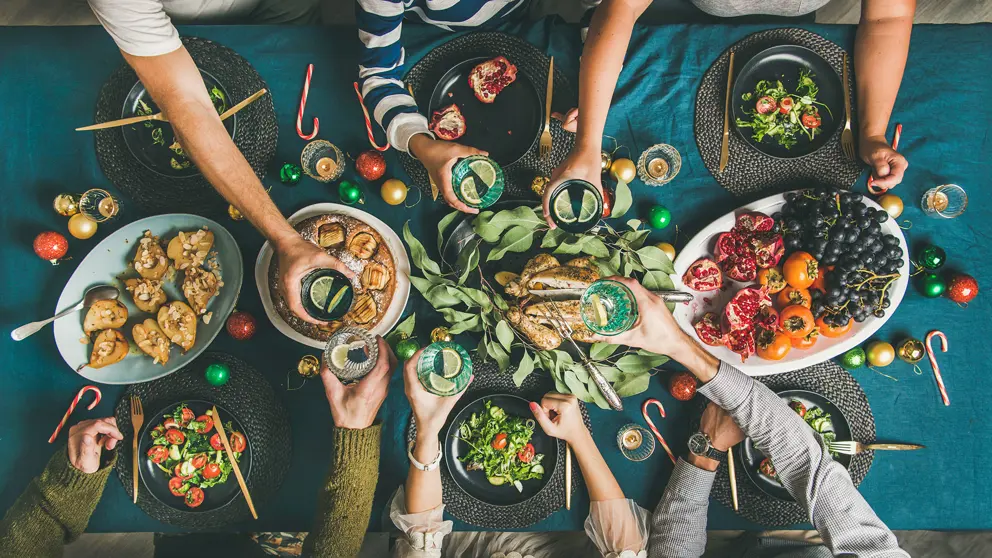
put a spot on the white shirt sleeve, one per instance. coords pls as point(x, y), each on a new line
point(139, 27)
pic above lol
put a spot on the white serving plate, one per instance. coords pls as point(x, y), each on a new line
point(826, 348)
point(400, 261)
point(108, 261)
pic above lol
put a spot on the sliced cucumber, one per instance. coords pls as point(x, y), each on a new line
point(496, 481)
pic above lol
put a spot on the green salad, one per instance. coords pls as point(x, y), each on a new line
point(501, 447)
point(783, 115)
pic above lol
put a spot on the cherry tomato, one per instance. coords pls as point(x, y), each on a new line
point(208, 424)
point(158, 454)
point(767, 468)
point(526, 454)
point(176, 471)
point(806, 341)
point(211, 471)
point(796, 321)
point(785, 105)
point(798, 407)
point(194, 496)
point(499, 442)
point(199, 460)
point(772, 345)
point(174, 436)
point(766, 105)
point(811, 120)
point(828, 330)
point(188, 416)
point(800, 270)
point(772, 279)
point(216, 443)
point(820, 283)
point(791, 295)
point(177, 486)
point(238, 442)
point(169, 423)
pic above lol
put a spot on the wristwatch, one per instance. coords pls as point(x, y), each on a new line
point(424, 466)
point(701, 445)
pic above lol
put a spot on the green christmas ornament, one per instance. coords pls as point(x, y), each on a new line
point(217, 374)
point(855, 358)
point(290, 174)
point(932, 285)
point(932, 257)
point(350, 193)
point(659, 216)
point(406, 348)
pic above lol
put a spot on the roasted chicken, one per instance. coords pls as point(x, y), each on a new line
point(543, 337)
point(537, 264)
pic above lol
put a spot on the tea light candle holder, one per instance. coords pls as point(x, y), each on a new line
point(947, 201)
point(322, 161)
point(98, 205)
point(659, 164)
point(635, 442)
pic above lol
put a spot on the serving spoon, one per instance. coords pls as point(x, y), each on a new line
point(92, 296)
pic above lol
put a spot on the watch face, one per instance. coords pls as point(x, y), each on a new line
point(698, 444)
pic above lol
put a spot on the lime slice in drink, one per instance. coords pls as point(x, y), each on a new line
point(341, 355)
point(451, 363)
point(470, 193)
point(485, 171)
point(337, 299)
point(598, 310)
point(589, 207)
point(563, 208)
point(320, 291)
point(441, 385)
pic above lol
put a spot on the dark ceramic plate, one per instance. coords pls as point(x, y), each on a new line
point(507, 128)
point(157, 481)
point(783, 63)
point(474, 483)
point(150, 141)
point(750, 457)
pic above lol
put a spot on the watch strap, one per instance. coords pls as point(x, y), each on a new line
point(422, 466)
point(715, 454)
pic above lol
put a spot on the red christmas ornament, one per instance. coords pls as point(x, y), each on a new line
point(371, 165)
point(51, 246)
point(607, 202)
point(962, 288)
point(241, 326)
point(682, 386)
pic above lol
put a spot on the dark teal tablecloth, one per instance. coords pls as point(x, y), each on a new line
point(49, 80)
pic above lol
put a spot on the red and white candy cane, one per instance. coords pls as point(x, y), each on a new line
point(368, 121)
point(303, 105)
point(72, 407)
point(871, 179)
point(661, 440)
point(933, 362)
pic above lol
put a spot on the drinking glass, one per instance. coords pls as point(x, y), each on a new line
point(478, 181)
point(576, 206)
point(608, 307)
point(351, 353)
point(444, 368)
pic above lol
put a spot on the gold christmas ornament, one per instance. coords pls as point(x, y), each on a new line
point(440, 334)
point(892, 204)
point(81, 226)
point(607, 160)
point(880, 353)
point(308, 366)
point(624, 170)
point(539, 184)
point(911, 350)
point(394, 191)
point(668, 249)
point(234, 213)
point(66, 205)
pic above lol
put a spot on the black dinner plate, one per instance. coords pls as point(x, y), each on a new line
point(157, 481)
point(154, 156)
point(783, 63)
point(750, 457)
point(474, 483)
point(507, 128)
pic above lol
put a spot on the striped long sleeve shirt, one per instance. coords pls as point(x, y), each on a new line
point(382, 60)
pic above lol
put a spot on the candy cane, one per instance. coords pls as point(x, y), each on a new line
point(871, 179)
point(368, 121)
point(644, 411)
point(303, 105)
point(72, 407)
point(933, 362)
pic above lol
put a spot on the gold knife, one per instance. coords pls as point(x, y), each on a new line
point(893, 447)
point(162, 118)
point(725, 148)
point(234, 463)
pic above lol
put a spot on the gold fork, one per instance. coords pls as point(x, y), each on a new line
point(847, 136)
point(137, 419)
point(546, 134)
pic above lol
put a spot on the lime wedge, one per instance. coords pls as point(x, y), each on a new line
point(598, 310)
point(320, 291)
point(451, 363)
point(339, 356)
point(485, 171)
point(441, 385)
point(470, 194)
point(563, 208)
point(337, 299)
point(589, 207)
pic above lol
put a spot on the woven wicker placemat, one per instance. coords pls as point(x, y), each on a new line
point(840, 388)
point(749, 171)
point(255, 136)
point(426, 73)
point(260, 412)
point(490, 381)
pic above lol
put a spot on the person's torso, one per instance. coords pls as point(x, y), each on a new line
point(461, 14)
point(735, 8)
point(207, 11)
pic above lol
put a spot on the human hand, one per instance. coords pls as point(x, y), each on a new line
point(580, 164)
point(438, 157)
point(429, 410)
point(566, 424)
point(655, 329)
point(355, 405)
point(297, 258)
point(88, 439)
point(887, 165)
point(569, 120)
point(722, 431)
